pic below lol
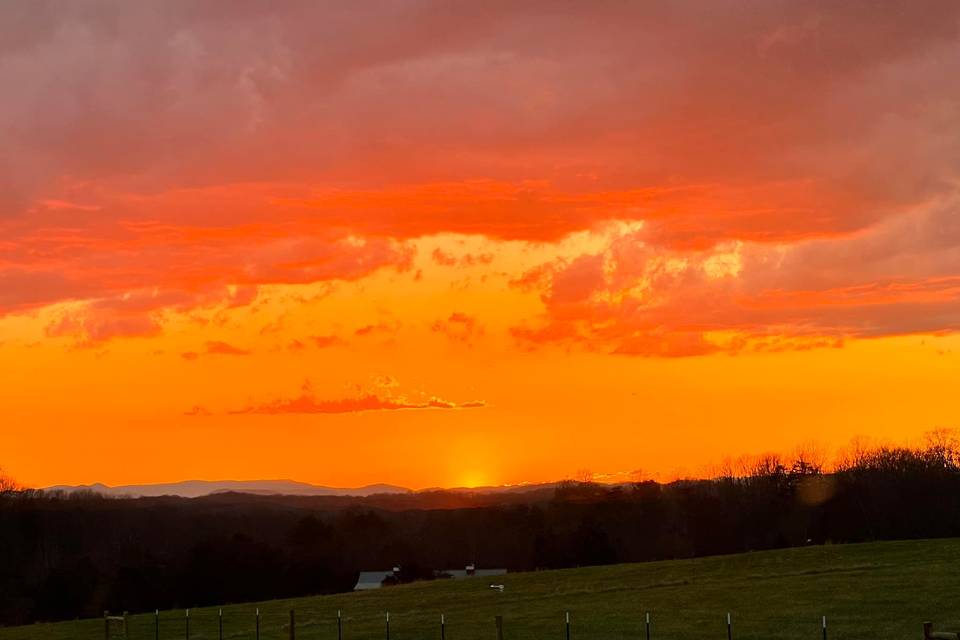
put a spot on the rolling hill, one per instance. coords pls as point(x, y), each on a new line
point(199, 488)
point(869, 591)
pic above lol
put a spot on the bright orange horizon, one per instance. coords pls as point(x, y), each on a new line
point(349, 244)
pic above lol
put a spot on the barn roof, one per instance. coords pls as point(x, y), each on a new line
point(371, 579)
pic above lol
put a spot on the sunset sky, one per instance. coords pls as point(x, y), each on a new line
point(464, 243)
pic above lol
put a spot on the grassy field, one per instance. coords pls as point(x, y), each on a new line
point(881, 590)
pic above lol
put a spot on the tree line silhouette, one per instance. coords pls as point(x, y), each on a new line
point(66, 556)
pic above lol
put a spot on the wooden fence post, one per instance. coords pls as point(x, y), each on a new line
point(186, 628)
point(648, 625)
point(443, 627)
point(156, 624)
point(499, 620)
point(930, 634)
point(388, 625)
point(258, 623)
point(293, 625)
point(107, 619)
point(339, 626)
point(729, 628)
point(568, 625)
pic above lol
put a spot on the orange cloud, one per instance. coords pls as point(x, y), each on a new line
point(144, 270)
point(324, 342)
point(99, 321)
point(217, 347)
point(383, 327)
point(445, 259)
point(458, 326)
point(306, 403)
point(222, 348)
point(740, 179)
point(638, 298)
point(78, 223)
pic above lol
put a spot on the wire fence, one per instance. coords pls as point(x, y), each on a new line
point(117, 627)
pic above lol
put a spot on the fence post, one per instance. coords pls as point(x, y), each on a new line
point(339, 626)
point(648, 625)
point(388, 625)
point(187, 627)
point(499, 620)
point(729, 628)
point(124, 623)
point(258, 623)
point(568, 625)
point(824, 627)
point(293, 625)
point(156, 624)
point(443, 628)
point(106, 625)
point(220, 624)
point(927, 630)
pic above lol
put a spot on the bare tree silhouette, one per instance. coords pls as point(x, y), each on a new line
point(7, 484)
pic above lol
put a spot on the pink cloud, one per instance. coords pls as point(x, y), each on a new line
point(99, 321)
point(636, 298)
point(22, 289)
point(820, 136)
point(307, 106)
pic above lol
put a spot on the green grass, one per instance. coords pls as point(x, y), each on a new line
point(878, 590)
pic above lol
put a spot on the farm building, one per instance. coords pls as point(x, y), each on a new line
point(470, 571)
point(374, 579)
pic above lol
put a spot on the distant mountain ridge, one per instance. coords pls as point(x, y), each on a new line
point(199, 488)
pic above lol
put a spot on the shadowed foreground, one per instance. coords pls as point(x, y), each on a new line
point(876, 590)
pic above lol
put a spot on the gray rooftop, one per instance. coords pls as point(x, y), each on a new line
point(371, 579)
